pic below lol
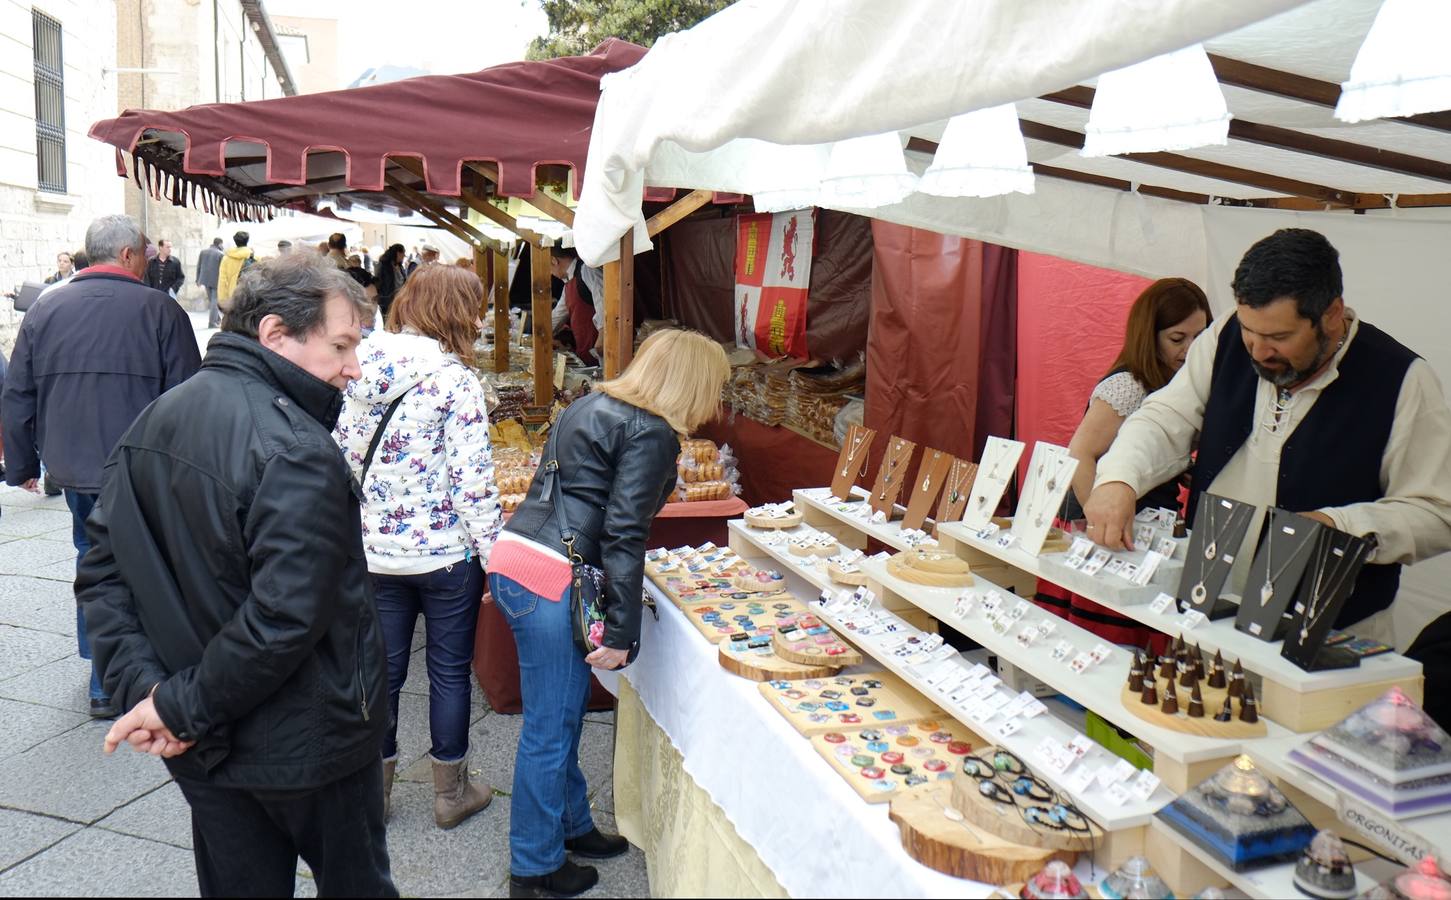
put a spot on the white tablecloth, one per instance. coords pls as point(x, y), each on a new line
point(807, 825)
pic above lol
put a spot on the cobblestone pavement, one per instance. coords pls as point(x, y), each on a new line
point(76, 823)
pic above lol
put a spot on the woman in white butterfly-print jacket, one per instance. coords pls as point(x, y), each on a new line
point(430, 507)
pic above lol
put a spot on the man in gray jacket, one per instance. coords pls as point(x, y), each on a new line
point(207, 265)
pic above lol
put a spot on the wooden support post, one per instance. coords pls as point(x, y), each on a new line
point(483, 267)
point(611, 320)
point(626, 333)
point(499, 288)
point(540, 201)
point(543, 303)
point(677, 211)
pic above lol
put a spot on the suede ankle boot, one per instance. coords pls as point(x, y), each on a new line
point(454, 798)
point(569, 880)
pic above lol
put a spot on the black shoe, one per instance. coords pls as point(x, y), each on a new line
point(50, 489)
point(102, 709)
point(569, 880)
point(597, 845)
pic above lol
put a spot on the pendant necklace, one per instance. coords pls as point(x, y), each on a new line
point(1319, 602)
point(856, 445)
point(927, 482)
point(1212, 546)
point(1199, 592)
point(1046, 490)
point(999, 455)
point(894, 456)
point(1267, 590)
point(961, 472)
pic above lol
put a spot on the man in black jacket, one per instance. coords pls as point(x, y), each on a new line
point(86, 362)
point(164, 272)
point(228, 597)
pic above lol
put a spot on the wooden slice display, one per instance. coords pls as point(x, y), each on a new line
point(1180, 721)
point(854, 576)
point(816, 705)
point(751, 617)
point(755, 666)
point(1007, 820)
point(760, 517)
point(937, 835)
point(762, 581)
point(927, 752)
point(933, 568)
point(825, 646)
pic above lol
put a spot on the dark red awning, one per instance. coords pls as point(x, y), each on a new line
point(288, 151)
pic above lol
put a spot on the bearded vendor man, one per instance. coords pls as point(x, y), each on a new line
point(1296, 402)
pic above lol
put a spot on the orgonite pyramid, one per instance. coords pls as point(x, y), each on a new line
point(1240, 818)
point(1388, 753)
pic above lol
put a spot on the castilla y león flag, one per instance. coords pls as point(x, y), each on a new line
point(773, 271)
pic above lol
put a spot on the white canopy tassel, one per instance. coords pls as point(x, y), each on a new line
point(1403, 67)
point(982, 154)
point(1170, 102)
point(867, 172)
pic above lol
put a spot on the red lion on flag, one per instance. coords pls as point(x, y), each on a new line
point(788, 250)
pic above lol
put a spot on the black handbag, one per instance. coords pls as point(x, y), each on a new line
point(586, 582)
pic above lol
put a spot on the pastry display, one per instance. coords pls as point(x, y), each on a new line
point(809, 642)
point(1240, 818)
point(698, 451)
point(1324, 870)
point(816, 705)
point(878, 761)
point(705, 490)
point(1176, 694)
point(743, 619)
point(1388, 753)
point(1134, 878)
point(934, 568)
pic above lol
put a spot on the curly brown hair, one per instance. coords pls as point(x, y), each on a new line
point(444, 303)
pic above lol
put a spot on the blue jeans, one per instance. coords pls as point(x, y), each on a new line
point(81, 505)
point(449, 600)
point(550, 802)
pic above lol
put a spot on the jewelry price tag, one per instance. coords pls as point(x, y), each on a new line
point(1096, 562)
point(1034, 709)
point(978, 671)
point(1081, 745)
point(1008, 727)
point(1017, 704)
point(980, 711)
point(1078, 781)
point(986, 689)
point(1100, 652)
point(1047, 627)
point(1027, 636)
point(986, 532)
point(1167, 547)
point(1080, 663)
point(1061, 650)
point(1147, 568)
point(1162, 603)
point(996, 700)
point(1118, 794)
point(1005, 540)
point(963, 606)
point(1080, 549)
point(1193, 619)
point(1122, 770)
point(944, 652)
point(1044, 750)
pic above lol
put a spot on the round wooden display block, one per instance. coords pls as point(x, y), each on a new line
point(752, 584)
point(810, 652)
point(934, 834)
point(790, 520)
point(1008, 823)
point(933, 568)
point(754, 666)
point(835, 572)
point(1180, 721)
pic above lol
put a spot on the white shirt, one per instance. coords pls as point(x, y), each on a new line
point(1411, 521)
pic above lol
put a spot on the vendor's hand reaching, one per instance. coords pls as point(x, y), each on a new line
point(143, 729)
point(1110, 512)
point(607, 658)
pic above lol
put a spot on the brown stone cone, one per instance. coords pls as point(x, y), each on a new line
point(1171, 700)
point(1196, 703)
point(1226, 712)
point(1216, 676)
point(1150, 694)
point(1248, 708)
point(1167, 668)
point(1236, 680)
point(1187, 678)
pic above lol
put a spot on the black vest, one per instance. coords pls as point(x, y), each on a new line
point(1333, 458)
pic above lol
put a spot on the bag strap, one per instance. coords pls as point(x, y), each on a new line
point(378, 435)
point(551, 487)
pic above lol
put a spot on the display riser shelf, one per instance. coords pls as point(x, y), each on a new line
point(1124, 823)
point(1299, 700)
point(1098, 688)
point(1269, 883)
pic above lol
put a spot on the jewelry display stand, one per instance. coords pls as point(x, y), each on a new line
point(890, 476)
point(999, 461)
point(934, 568)
point(1219, 529)
point(1284, 551)
point(852, 461)
point(1049, 473)
point(1212, 700)
point(850, 574)
point(818, 705)
point(811, 643)
point(1004, 811)
point(749, 617)
point(820, 544)
point(754, 660)
point(936, 834)
point(882, 761)
point(1324, 590)
point(955, 492)
point(762, 581)
point(1388, 753)
point(931, 477)
point(1240, 818)
point(774, 515)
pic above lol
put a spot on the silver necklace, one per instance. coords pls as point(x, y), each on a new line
point(1199, 592)
point(894, 457)
point(1046, 487)
point(961, 472)
point(1212, 546)
point(1319, 602)
point(927, 482)
point(1267, 590)
point(856, 445)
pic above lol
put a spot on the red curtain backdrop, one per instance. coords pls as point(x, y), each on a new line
point(1070, 328)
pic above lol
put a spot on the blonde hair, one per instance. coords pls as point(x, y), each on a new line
point(677, 375)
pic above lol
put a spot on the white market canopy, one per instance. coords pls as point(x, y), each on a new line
point(809, 74)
